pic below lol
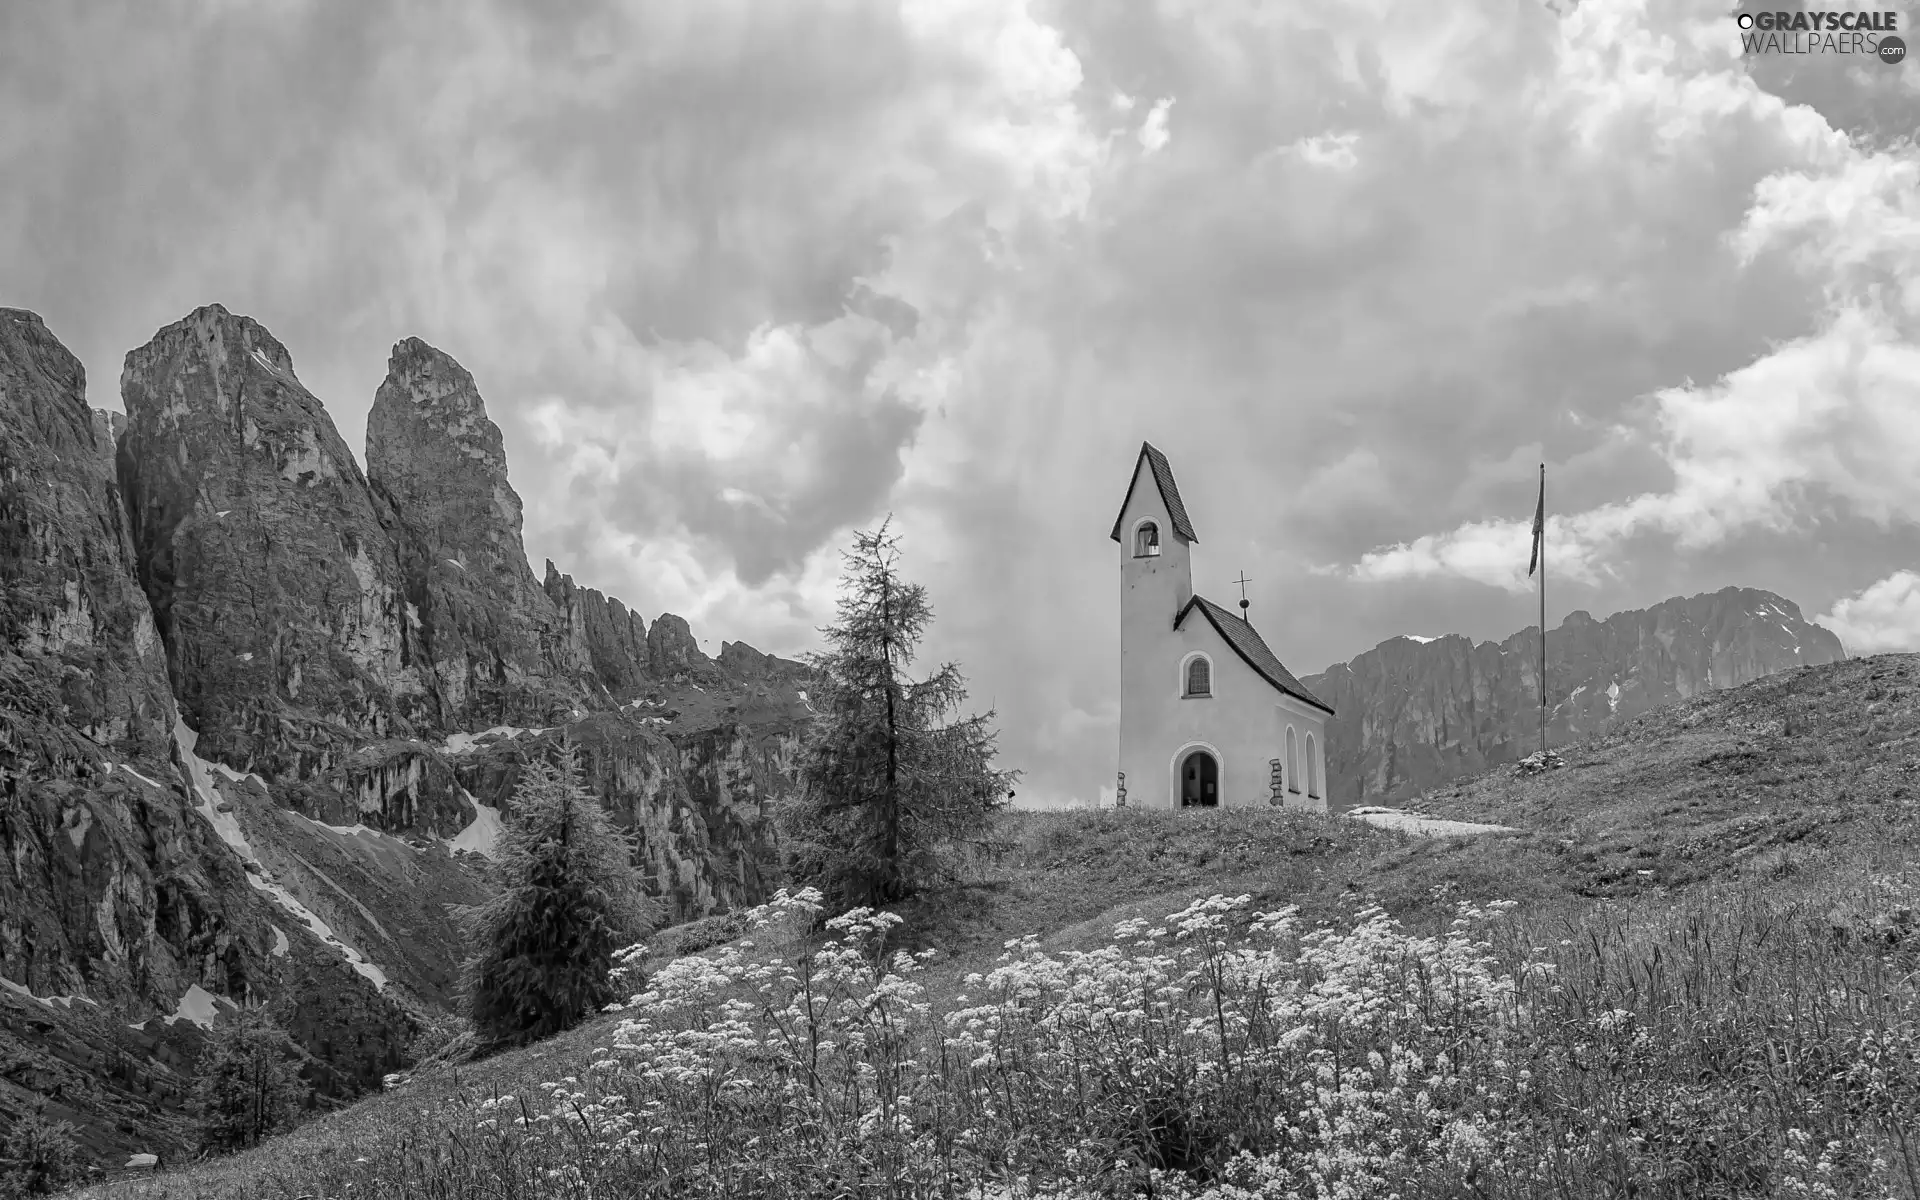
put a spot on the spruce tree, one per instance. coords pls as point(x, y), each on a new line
point(896, 789)
point(571, 899)
point(247, 1083)
point(38, 1156)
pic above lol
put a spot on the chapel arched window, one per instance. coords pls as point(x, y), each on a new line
point(1199, 678)
point(1146, 541)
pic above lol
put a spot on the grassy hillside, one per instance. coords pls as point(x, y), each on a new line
point(1789, 770)
point(1712, 928)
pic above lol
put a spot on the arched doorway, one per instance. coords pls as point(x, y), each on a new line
point(1199, 780)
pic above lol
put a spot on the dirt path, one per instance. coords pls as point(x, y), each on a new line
point(1393, 818)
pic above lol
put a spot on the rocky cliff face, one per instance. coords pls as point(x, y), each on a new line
point(83, 651)
point(1417, 712)
point(695, 794)
point(602, 633)
point(494, 648)
point(261, 714)
point(277, 591)
point(120, 895)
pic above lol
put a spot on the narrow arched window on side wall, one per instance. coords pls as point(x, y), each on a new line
point(1313, 770)
point(1146, 540)
point(1293, 763)
point(1200, 678)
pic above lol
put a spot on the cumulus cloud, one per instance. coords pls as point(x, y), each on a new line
point(1834, 416)
point(1829, 417)
point(1154, 134)
point(1882, 618)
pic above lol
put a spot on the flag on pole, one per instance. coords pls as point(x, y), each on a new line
point(1539, 525)
point(1539, 561)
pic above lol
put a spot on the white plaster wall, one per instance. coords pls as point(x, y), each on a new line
point(1246, 717)
point(1244, 721)
point(1151, 592)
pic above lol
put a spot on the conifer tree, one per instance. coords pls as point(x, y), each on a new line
point(38, 1156)
point(247, 1083)
point(896, 789)
point(571, 899)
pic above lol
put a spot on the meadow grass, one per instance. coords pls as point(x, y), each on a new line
point(1398, 1030)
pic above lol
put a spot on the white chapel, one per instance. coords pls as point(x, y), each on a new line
point(1208, 714)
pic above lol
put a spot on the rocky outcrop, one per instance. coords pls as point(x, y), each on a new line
point(398, 785)
point(1417, 712)
point(496, 648)
point(737, 660)
point(671, 650)
point(277, 591)
point(695, 798)
point(602, 633)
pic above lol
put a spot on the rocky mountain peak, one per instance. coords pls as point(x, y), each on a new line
point(742, 661)
point(261, 549)
point(442, 463)
point(671, 648)
point(426, 388)
point(213, 341)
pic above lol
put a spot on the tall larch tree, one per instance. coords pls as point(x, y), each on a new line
point(896, 788)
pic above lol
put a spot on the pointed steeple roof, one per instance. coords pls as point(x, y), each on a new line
point(1169, 494)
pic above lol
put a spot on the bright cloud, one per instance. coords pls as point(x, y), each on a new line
point(1884, 617)
point(1833, 416)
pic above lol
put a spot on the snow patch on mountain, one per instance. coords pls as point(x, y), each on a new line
point(49, 1001)
point(137, 775)
point(482, 833)
point(350, 830)
point(199, 1006)
point(461, 743)
point(206, 803)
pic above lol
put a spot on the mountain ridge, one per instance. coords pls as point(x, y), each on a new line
point(1415, 712)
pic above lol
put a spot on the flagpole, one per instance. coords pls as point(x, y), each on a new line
point(1543, 609)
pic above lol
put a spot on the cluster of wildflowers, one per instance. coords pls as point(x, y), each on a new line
point(1221, 1053)
point(1221, 1045)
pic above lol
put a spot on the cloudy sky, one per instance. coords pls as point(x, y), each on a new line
point(738, 277)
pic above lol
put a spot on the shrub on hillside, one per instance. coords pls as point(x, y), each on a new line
point(38, 1157)
point(247, 1084)
point(897, 790)
point(570, 899)
point(441, 1038)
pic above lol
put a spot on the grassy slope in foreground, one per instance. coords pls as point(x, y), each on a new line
point(1805, 768)
point(1070, 877)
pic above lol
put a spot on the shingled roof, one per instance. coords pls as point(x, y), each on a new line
point(1247, 644)
point(1169, 494)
